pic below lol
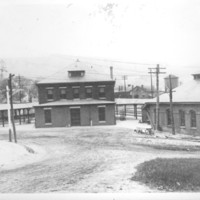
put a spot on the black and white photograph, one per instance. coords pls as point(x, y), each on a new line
point(100, 98)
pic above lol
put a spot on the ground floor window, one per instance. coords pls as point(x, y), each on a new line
point(102, 113)
point(193, 118)
point(168, 113)
point(47, 116)
point(182, 117)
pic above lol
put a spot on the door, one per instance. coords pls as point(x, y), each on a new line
point(75, 116)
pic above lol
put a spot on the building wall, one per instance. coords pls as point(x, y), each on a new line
point(140, 93)
point(61, 116)
point(185, 130)
point(109, 90)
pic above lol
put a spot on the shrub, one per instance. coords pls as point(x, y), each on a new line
point(170, 174)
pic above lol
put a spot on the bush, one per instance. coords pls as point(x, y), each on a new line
point(170, 174)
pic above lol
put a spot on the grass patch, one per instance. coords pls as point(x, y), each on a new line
point(177, 174)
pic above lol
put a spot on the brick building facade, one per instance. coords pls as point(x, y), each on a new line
point(76, 96)
point(186, 108)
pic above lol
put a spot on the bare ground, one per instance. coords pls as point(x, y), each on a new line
point(82, 159)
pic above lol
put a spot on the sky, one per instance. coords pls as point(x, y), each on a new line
point(151, 32)
point(155, 31)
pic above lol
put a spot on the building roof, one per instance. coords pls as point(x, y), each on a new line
point(75, 102)
point(18, 106)
point(91, 74)
point(186, 93)
point(172, 76)
point(124, 101)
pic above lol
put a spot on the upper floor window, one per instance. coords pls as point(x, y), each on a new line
point(49, 93)
point(168, 113)
point(76, 92)
point(63, 93)
point(77, 73)
point(88, 92)
point(182, 117)
point(102, 93)
point(193, 122)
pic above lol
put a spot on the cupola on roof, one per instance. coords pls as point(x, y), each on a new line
point(196, 76)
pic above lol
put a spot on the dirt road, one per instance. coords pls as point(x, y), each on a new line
point(97, 159)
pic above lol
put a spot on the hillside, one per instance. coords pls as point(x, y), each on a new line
point(137, 74)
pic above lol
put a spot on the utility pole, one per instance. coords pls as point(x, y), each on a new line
point(151, 82)
point(2, 68)
point(19, 83)
point(125, 77)
point(132, 91)
point(157, 72)
point(11, 106)
point(171, 105)
point(9, 118)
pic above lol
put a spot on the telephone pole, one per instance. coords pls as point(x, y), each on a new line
point(151, 82)
point(132, 90)
point(2, 68)
point(11, 106)
point(9, 117)
point(125, 77)
point(171, 105)
point(20, 93)
point(157, 72)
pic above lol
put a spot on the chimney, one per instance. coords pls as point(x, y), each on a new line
point(111, 72)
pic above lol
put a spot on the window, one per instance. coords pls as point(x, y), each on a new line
point(101, 92)
point(49, 94)
point(193, 118)
point(182, 117)
point(88, 92)
point(168, 113)
point(63, 93)
point(47, 116)
point(79, 73)
point(102, 113)
point(75, 93)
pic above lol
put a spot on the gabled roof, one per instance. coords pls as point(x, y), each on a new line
point(142, 88)
point(91, 74)
point(186, 93)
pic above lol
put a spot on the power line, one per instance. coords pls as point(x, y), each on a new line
point(127, 62)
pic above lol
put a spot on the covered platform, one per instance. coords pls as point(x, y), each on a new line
point(23, 113)
point(129, 107)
